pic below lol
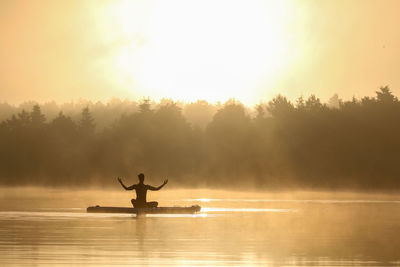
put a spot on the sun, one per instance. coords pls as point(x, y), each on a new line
point(211, 50)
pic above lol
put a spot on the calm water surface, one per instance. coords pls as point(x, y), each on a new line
point(51, 227)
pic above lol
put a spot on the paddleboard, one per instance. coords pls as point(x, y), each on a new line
point(158, 210)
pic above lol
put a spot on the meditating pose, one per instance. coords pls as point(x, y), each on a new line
point(141, 192)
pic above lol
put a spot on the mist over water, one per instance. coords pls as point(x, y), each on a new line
point(42, 226)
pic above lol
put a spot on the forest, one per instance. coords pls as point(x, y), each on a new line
point(307, 144)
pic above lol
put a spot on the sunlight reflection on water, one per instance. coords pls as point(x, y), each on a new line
point(319, 201)
point(245, 210)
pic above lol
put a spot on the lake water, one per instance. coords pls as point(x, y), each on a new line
point(50, 227)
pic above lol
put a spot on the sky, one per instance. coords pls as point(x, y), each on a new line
point(190, 50)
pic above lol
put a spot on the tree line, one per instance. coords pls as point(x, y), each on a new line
point(306, 144)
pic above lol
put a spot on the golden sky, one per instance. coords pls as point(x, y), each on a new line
point(189, 50)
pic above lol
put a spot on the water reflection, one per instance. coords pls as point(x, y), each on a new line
point(316, 201)
point(224, 233)
point(218, 209)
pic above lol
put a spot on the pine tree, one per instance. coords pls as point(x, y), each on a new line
point(145, 106)
point(24, 118)
point(37, 118)
point(87, 124)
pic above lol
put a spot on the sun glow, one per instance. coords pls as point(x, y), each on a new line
point(190, 50)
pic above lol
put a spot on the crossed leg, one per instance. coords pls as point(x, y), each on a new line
point(152, 204)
